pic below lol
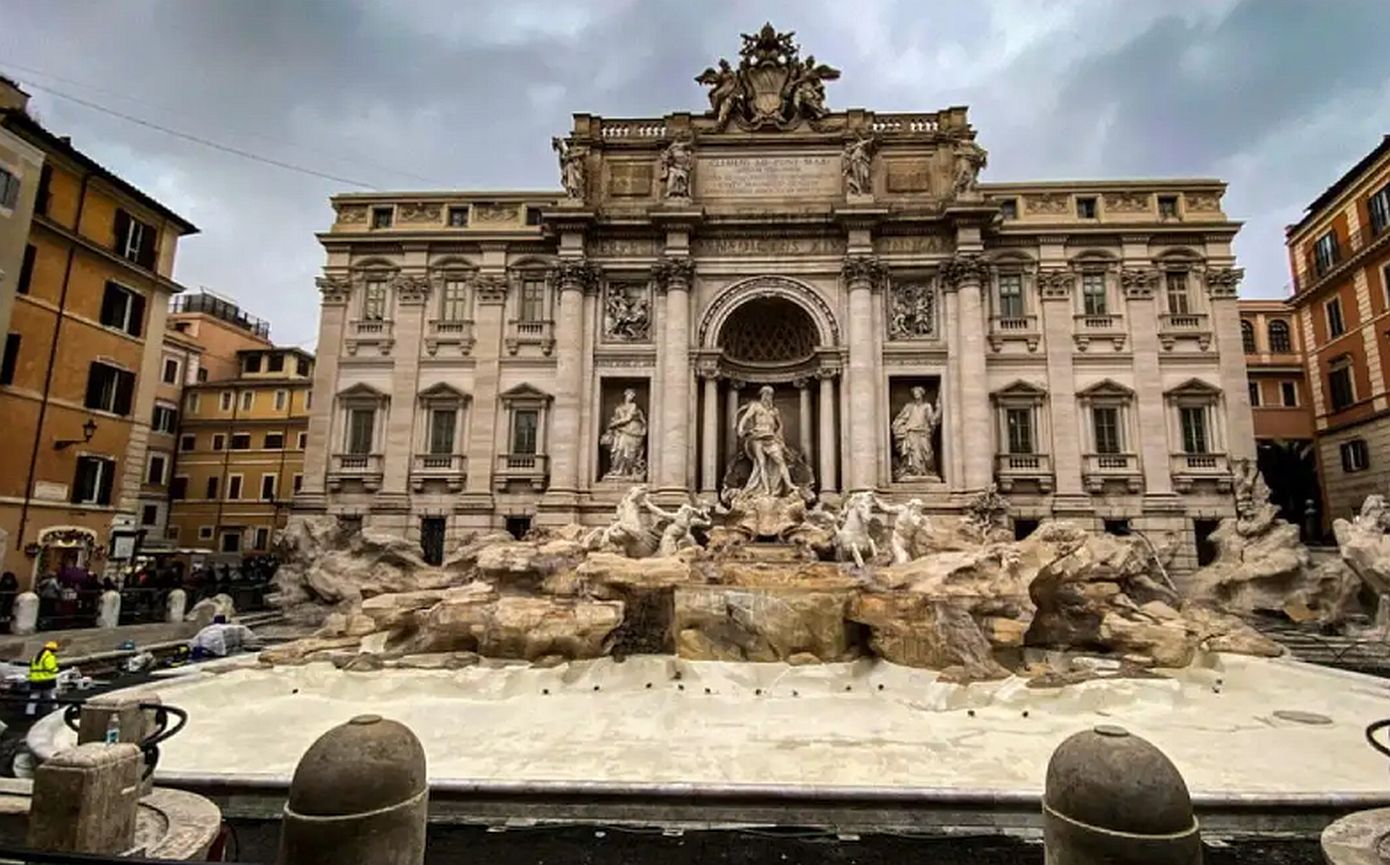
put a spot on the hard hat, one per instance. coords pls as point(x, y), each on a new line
point(51, 645)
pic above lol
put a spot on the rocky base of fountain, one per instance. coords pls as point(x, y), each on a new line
point(966, 603)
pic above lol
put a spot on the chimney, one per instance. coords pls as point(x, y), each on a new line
point(11, 97)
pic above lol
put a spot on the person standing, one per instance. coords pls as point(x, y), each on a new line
point(43, 679)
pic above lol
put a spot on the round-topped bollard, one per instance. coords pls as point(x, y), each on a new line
point(359, 796)
point(1111, 796)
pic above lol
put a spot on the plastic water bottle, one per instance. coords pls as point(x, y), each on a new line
point(113, 730)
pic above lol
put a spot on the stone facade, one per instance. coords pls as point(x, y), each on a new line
point(1076, 344)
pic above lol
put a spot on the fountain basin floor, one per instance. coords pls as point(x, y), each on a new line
point(1239, 729)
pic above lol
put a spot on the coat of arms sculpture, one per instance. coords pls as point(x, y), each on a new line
point(772, 86)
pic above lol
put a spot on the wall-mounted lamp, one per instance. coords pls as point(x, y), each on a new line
point(89, 429)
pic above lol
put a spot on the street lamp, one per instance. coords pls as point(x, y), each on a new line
point(89, 429)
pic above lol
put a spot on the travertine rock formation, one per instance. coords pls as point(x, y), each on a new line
point(1364, 543)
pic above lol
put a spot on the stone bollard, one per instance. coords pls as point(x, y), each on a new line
point(136, 724)
point(25, 619)
point(177, 604)
point(85, 800)
point(1114, 797)
point(359, 797)
point(109, 609)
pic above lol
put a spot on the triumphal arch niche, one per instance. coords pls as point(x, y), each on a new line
point(768, 278)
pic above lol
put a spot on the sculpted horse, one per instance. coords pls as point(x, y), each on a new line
point(853, 537)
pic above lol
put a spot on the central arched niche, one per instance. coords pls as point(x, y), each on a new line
point(769, 330)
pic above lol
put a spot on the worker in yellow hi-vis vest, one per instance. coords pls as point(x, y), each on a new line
point(43, 679)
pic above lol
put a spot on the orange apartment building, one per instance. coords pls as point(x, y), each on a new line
point(84, 346)
point(1340, 257)
point(241, 453)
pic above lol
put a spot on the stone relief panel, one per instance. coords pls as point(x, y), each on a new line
point(622, 443)
point(495, 212)
point(354, 214)
point(907, 175)
point(627, 311)
point(630, 179)
point(1128, 202)
point(1206, 202)
point(420, 211)
point(1047, 203)
point(916, 428)
point(912, 309)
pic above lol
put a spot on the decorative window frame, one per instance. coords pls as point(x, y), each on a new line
point(520, 398)
point(1195, 393)
point(1033, 398)
point(1108, 393)
point(1108, 326)
point(441, 331)
point(364, 333)
point(542, 332)
point(440, 397)
point(1288, 335)
point(1196, 322)
point(361, 396)
point(1023, 328)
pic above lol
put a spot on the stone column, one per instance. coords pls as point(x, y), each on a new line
point(967, 272)
point(573, 278)
point(803, 389)
point(334, 293)
point(489, 298)
point(953, 435)
point(861, 462)
point(1222, 285)
point(412, 295)
point(828, 481)
point(709, 437)
point(1055, 289)
point(732, 387)
point(1151, 427)
point(673, 276)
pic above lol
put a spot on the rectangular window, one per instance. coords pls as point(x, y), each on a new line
point(219, 441)
point(178, 488)
point(1339, 387)
point(233, 486)
point(1356, 456)
point(1008, 208)
point(301, 441)
point(1254, 394)
point(166, 419)
point(1379, 206)
point(1336, 326)
point(188, 442)
point(262, 538)
point(155, 474)
point(41, 200)
point(1010, 295)
point(442, 431)
point(374, 300)
point(297, 482)
point(381, 217)
point(301, 368)
point(458, 217)
point(241, 441)
point(453, 305)
point(1326, 252)
point(204, 533)
point(9, 189)
point(275, 363)
point(1167, 207)
point(109, 389)
point(224, 400)
point(26, 270)
point(135, 240)
point(308, 400)
point(1093, 293)
point(1289, 391)
point(1179, 303)
point(211, 488)
point(195, 402)
point(274, 441)
point(282, 398)
point(1085, 207)
point(122, 309)
point(1194, 429)
point(7, 367)
point(533, 216)
point(361, 430)
point(149, 515)
point(170, 375)
point(251, 363)
point(267, 487)
point(202, 374)
point(1019, 422)
point(532, 299)
point(525, 423)
point(248, 399)
point(1105, 423)
point(92, 480)
point(231, 541)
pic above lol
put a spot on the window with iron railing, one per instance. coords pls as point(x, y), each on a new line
point(1336, 326)
point(1326, 252)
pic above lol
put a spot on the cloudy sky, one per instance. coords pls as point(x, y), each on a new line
point(1278, 97)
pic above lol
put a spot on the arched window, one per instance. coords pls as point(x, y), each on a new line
point(1279, 336)
point(1247, 335)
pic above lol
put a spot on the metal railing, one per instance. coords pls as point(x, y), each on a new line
point(1315, 270)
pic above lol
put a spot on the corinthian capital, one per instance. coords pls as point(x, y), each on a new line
point(1138, 281)
point(334, 289)
point(861, 269)
point(963, 269)
point(490, 288)
point(411, 288)
point(1224, 281)
point(673, 273)
point(1055, 282)
point(575, 273)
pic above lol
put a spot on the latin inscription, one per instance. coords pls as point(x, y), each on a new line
point(908, 175)
point(768, 176)
point(768, 246)
point(630, 178)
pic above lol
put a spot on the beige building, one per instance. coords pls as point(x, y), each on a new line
point(21, 166)
point(1075, 343)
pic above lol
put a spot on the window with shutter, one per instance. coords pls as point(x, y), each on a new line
point(11, 358)
point(125, 392)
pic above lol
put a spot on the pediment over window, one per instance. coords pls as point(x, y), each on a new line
point(1020, 390)
point(441, 392)
point(1195, 387)
point(361, 391)
point(524, 392)
point(1107, 388)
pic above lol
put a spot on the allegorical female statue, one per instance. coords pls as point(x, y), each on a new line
point(626, 440)
point(912, 438)
point(760, 435)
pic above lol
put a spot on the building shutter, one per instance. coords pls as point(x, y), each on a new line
point(125, 388)
point(147, 245)
point(82, 481)
point(137, 314)
point(111, 302)
point(96, 374)
point(122, 231)
point(107, 480)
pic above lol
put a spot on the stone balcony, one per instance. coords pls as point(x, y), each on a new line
point(1098, 327)
point(1003, 328)
point(450, 469)
point(1189, 470)
point(453, 334)
point(365, 333)
point(1175, 326)
point(1013, 470)
point(365, 469)
point(532, 469)
point(519, 333)
point(1099, 469)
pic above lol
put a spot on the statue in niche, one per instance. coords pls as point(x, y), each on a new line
point(571, 166)
point(969, 161)
point(677, 161)
point(626, 439)
point(854, 165)
point(913, 430)
point(913, 312)
point(625, 313)
point(760, 435)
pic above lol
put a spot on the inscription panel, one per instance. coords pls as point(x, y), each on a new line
point(630, 179)
point(768, 177)
point(715, 246)
point(908, 175)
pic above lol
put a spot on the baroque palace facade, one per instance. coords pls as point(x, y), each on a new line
point(490, 359)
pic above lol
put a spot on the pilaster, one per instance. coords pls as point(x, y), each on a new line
point(673, 277)
point(573, 277)
point(1151, 428)
point(412, 292)
point(1222, 289)
point(967, 273)
point(489, 300)
point(861, 273)
point(1055, 287)
point(334, 293)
